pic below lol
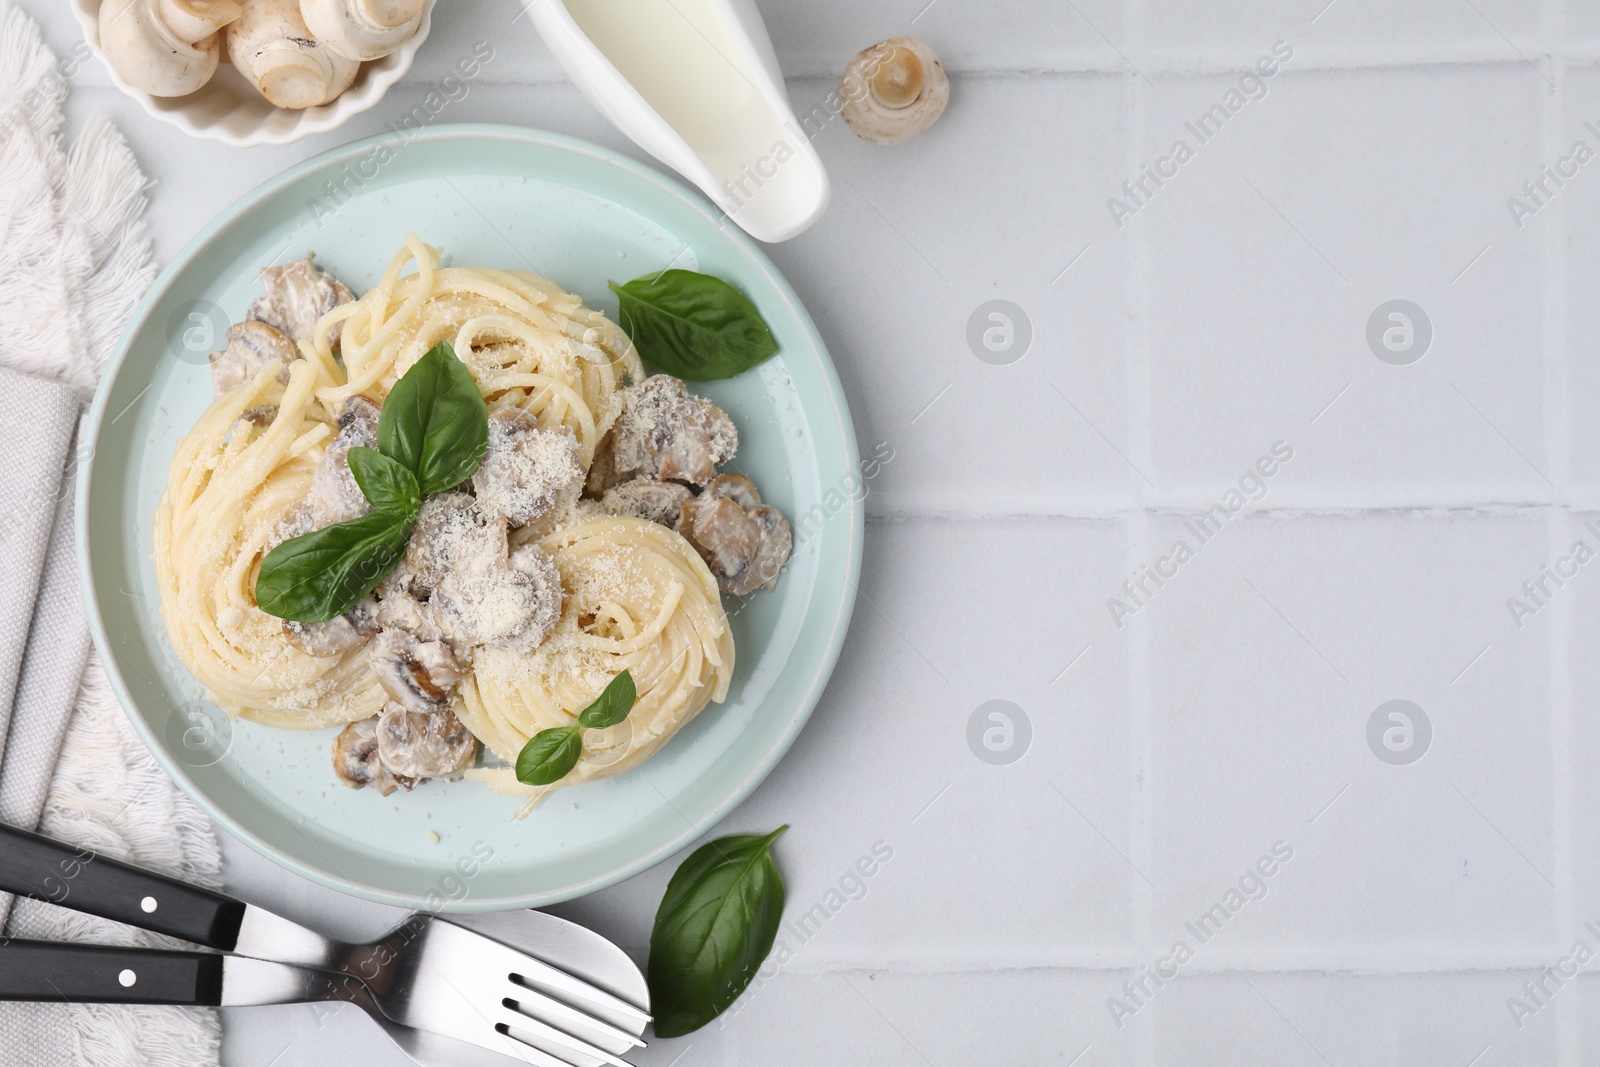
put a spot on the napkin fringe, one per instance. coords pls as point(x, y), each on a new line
point(74, 250)
point(29, 91)
point(124, 806)
point(106, 188)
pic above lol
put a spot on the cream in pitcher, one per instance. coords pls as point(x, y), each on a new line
point(695, 83)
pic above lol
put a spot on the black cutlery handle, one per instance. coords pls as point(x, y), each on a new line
point(76, 878)
point(94, 974)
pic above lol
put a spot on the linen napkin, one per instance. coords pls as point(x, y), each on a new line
point(74, 260)
point(44, 640)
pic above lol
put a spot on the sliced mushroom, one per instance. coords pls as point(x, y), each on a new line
point(777, 541)
point(734, 487)
point(363, 29)
point(335, 496)
point(893, 91)
point(448, 525)
point(743, 541)
point(399, 609)
point(336, 636)
point(525, 469)
point(277, 54)
point(423, 745)
point(260, 415)
point(725, 536)
point(654, 501)
point(417, 675)
point(251, 347)
point(534, 561)
point(297, 295)
point(332, 638)
point(492, 598)
point(357, 762)
point(165, 47)
point(663, 433)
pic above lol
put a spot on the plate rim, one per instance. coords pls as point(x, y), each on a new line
point(839, 613)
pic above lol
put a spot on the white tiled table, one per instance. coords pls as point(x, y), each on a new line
point(1229, 713)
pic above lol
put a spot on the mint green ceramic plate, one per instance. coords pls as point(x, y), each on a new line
point(514, 198)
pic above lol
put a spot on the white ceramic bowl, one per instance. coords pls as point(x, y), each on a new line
point(228, 108)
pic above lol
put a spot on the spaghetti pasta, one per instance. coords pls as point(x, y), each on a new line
point(635, 594)
point(528, 343)
point(637, 598)
point(230, 485)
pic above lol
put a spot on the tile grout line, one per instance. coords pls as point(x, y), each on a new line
point(1221, 60)
point(1557, 421)
point(1558, 436)
point(1140, 749)
point(1111, 511)
point(1121, 960)
point(1558, 650)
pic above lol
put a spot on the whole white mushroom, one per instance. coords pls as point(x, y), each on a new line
point(275, 51)
point(893, 91)
point(165, 47)
point(363, 29)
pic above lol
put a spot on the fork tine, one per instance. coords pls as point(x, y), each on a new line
point(548, 1009)
point(532, 972)
point(552, 1040)
point(542, 977)
point(469, 986)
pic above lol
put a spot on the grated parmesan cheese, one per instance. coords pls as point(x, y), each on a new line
point(525, 469)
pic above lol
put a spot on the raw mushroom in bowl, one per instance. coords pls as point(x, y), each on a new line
point(165, 47)
point(273, 49)
point(171, 57)
point(363, 29)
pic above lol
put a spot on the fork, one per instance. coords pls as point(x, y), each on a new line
point(426, 973)
point(97, 974)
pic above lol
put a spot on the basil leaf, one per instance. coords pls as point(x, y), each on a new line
point(715, 925)
point(434, 421)
point(612, 705)
point(549, 755)
point(323, 574)
point(692, 325)
point(387, 485)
